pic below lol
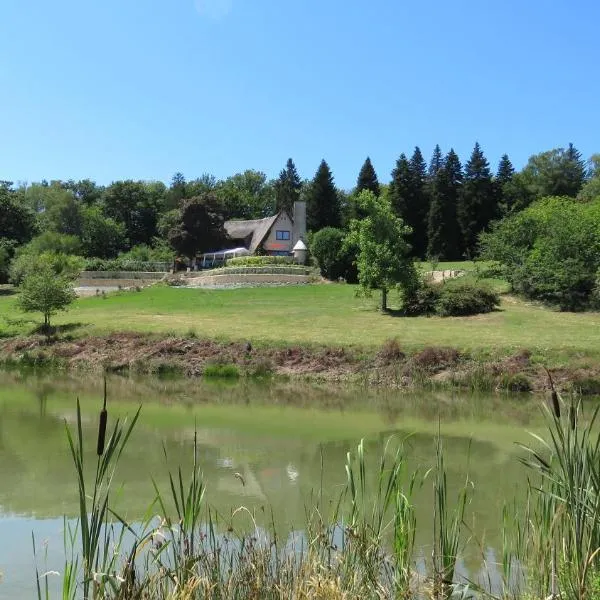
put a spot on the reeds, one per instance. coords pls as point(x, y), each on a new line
point(360, 545)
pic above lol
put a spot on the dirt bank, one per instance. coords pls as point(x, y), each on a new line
point(431, 367)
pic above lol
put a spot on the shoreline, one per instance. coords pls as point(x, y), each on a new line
point(432, 367)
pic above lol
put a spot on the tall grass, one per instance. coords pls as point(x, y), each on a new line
point(360, 545)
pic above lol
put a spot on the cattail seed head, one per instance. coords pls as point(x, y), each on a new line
point(102, 425)
point(555, 404)
point(572, 416)
point(102, 432)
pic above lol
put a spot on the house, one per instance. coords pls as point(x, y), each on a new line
point(276, 235)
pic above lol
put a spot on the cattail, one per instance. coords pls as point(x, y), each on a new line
point(554, 396)
point(102, 426)
point(555, 404)
point(572, 416)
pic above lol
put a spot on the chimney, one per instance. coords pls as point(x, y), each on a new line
point(299, 217)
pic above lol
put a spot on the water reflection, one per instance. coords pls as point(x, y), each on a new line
point(269, 446)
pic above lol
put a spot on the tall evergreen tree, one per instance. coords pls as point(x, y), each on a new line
point(410, 199)
point(421, 201)
point(477, 201)
point(400, 187)
point(177, 190)
point(322, 200)
point(504, 186)
point(443, 229)
point(436, 163)
point(367, 179)
point(287, 188)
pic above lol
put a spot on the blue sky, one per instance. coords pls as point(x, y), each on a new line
point(113, 89)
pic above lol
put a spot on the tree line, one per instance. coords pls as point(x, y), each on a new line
point(445, 204)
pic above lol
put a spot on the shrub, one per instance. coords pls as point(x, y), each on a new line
point(421, 300)
point(262, 368)
point(586, 386)
point(451, 299)
point(434, 357)
point(259, 261)
point(550, 251)
point(125, 264)
point(459, 299)
point(334, 260)
point(391, 351)
point(516, 383)
point(220, 370)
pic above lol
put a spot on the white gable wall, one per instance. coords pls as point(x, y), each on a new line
point(271, 243)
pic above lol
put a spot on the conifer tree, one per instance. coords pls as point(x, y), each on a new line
point(477, 201)
point(287, 188)
point(322, 201)
point(436, 163)
point(443, 228)
point(367, 179)
point(504, 186)
point(421, 201)
point(410, 199)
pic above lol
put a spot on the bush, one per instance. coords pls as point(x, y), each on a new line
point(516, 383)
point(259, 261)
point(454, 298)
point(391, 351)
point(550, 251)
point(334, 260)
point(422, 300)
point(222, 371)
point(121, 264)
point(461, 299)
point(587, 386)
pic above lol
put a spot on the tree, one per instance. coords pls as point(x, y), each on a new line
point(42, 290)
point(85, 190)
point(383, 258)
point(322, 200)
point(436, 163)
point(136, 204)
point(504, 186)
point(557, 172)
point(410, 198)
point(177, 190)
point(101, 237)
point(550, 251)
point(246, 195)
point(334, 258)
point(476, 202)
point(367, 179)
point(17, 222)
point(199, 227)
point(443, 229)
point(287, 188)
point(591, 189)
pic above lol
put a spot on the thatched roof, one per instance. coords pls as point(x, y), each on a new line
point(257, 228)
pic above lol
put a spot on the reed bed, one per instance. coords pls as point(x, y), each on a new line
point(361, 545)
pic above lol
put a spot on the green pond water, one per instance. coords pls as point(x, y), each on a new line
point(286, 439)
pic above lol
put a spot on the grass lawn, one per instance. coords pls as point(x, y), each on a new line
point(320, 314)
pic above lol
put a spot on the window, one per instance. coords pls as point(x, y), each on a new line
point(282, 235)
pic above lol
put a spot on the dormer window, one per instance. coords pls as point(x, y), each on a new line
point(282, 235)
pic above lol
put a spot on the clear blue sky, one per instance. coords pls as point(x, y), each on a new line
point(112, 89)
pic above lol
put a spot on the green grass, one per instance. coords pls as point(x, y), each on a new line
point(320, 314)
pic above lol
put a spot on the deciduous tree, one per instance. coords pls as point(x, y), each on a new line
point(199, 227)
point(383, 253)
point(42, 290)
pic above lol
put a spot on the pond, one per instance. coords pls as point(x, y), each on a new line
point(262, 445)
